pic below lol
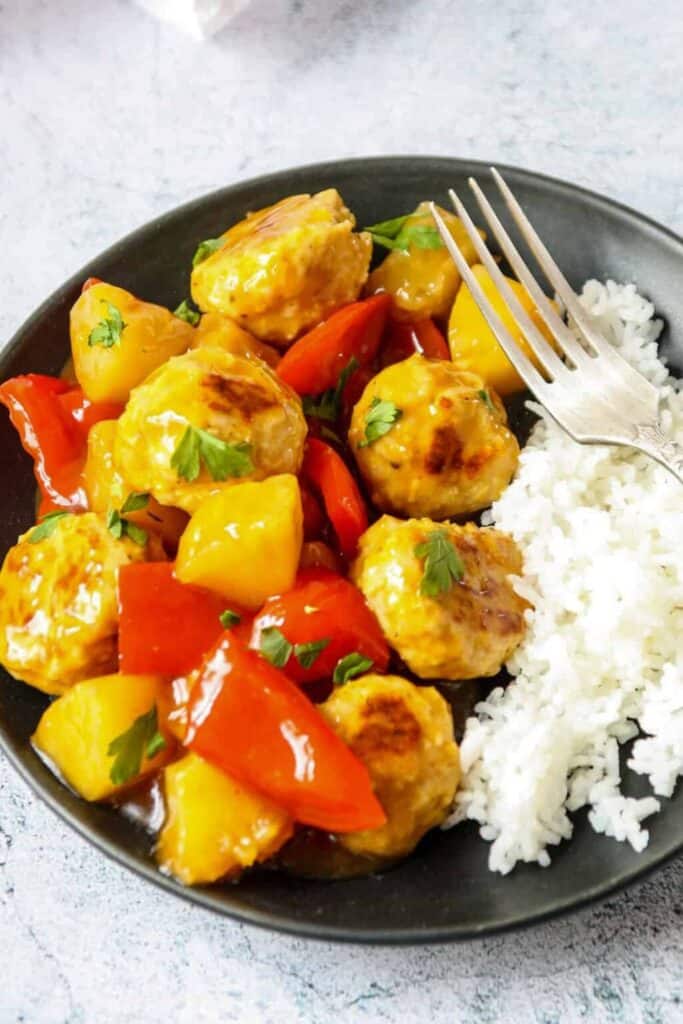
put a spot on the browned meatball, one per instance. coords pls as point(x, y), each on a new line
point(448, 451)
point(465, 631)
point(404, 735)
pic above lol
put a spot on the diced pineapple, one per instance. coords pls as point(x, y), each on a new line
point(215, 826)
point(75, 731)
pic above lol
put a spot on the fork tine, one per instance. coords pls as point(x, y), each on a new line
point(563, 336)
point(519, 360)
point(537, 343)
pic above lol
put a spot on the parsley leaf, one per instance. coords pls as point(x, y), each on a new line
point(379, 420)
point(350, 666)
point(443, 565)
point(185, 312)
point(108, 331)
point(228, 619)
point(221, 459)
point(327, 405)
point(119, 527)
point(486, 399)
point(275, 647)
point(46, 527)
point(136, 501)
point(397, 234)
point(205, 249)
point(142, 738)
point(307, 654)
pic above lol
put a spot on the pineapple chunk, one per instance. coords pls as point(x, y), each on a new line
point(75, 731)
point(214, 825)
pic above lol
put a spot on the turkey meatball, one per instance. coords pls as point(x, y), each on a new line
point(58, 603)
point(404, 735)
point(285, 268)
point(460, 624)
point(447, 450)
point(234, 399)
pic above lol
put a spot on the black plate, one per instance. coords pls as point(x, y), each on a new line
point(445, 890)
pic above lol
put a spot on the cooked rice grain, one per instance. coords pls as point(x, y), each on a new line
point(600, 531)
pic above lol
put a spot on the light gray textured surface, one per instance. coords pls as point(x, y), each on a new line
point(109, 118)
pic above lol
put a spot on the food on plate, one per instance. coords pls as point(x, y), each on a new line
point(432, 441)
point(245, 543)
point(417, 272)
point(450, 610)
point(472, 342)
point(117, 340)
point(204, 421)
point(404, 735)
point(236, 630)
point(103, 735)
point(284, 269)
point(215, 827)
point(58, 605)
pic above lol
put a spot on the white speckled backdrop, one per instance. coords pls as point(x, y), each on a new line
point(108, 118)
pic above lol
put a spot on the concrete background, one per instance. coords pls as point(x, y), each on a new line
point(109, 118)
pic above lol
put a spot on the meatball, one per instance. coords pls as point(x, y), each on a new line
point(448, 451)
point(469, 628)
point(404, 735)
point(58, 603)
point(285, 268)
point(218, 331)
point(237, 400)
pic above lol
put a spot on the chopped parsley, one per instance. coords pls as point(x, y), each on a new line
point(205, 249)
point(229, 619)
point(397, 234)
point(119, 527)
point(486, 399)
point(350, 666)
point(307, 654)
point(46, 527)
point(141, 739)
point(221, 459)
point(327, 405)
point(275, 647)
point(379, 420)
point(185, 312)
point(443, 565)
point(136, 501)
point(108, 331)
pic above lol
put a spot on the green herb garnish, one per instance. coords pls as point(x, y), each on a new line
point(136, 501)
point(397, 234)
point(379, 420)
point(486, 399)
point(327, 405)
point(46, 527)
point(205, 249)
point(228, 619)
point(443, 565)
point(108, 331)
point(307, 654)
point(350, 666)
point(221, 459)
point(275, 647)
point(185, 312)
point(119, 527)
point(143, 738)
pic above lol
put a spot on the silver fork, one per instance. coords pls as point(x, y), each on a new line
point(593, 393)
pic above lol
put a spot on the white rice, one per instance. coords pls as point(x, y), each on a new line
point(600, 532)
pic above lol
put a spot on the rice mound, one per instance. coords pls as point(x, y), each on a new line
point(602, 662)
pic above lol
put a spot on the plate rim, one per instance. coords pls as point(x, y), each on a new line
point(203, 897)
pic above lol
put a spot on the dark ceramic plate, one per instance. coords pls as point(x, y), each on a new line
point(444, 891)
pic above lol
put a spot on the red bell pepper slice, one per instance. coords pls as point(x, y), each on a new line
point(314, 520)
point(402, 340)
point(85, 413)
point(49, 435)
point(323, 606)
point(165, 627)
point(247, 718)
point(327, 472)
point(314, 362)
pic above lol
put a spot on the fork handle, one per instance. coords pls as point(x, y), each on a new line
point(651, 439)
